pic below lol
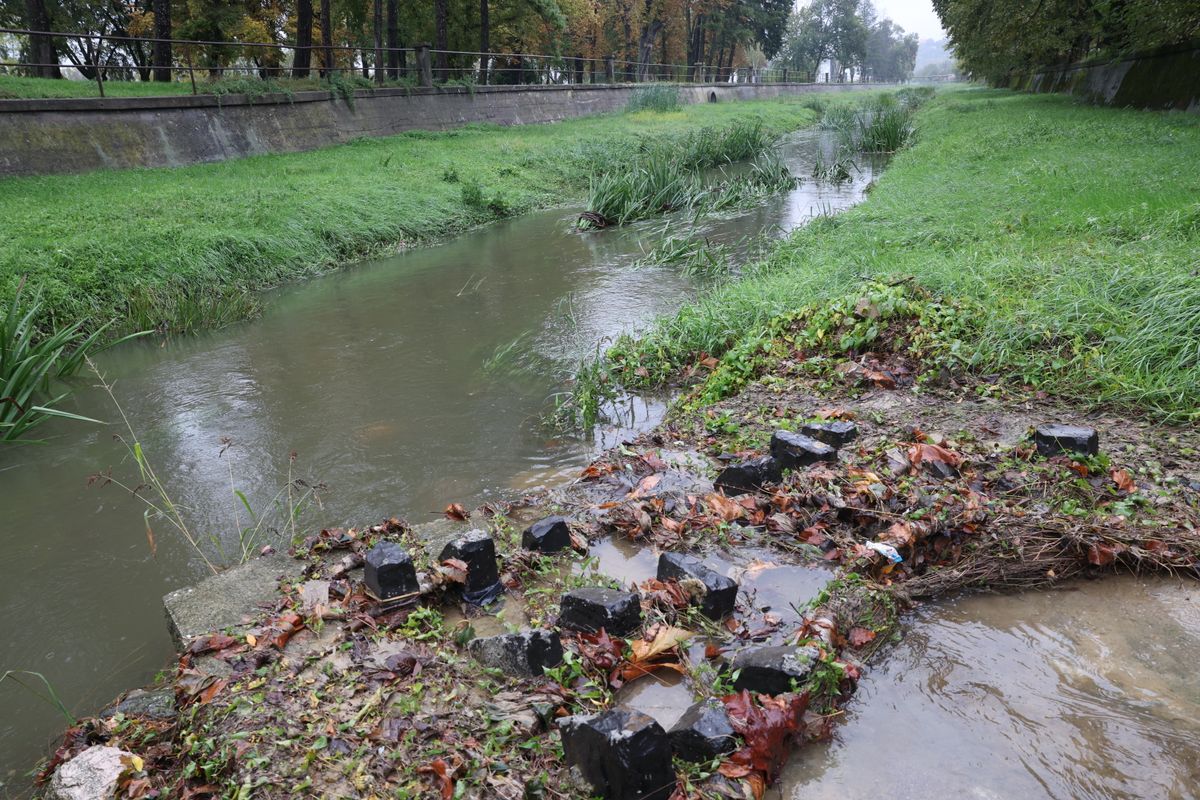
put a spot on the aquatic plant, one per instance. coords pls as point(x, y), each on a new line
point(883, 129)
point(839, 117)
point(31, 361)
point(655, 97)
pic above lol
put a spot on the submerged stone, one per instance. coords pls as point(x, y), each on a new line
point(719, 592)
point(589, 610)
point(478, 551)
point(748, 476)
point(772, 670)
point(834, 434)
point(526, 654)
point(389, 571)
point(703, 732)
point(794, 450)
point(547, 535)
point(1052, 439)
point(624, 754)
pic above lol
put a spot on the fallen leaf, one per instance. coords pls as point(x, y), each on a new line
point(1123, 480)
point(860, 636)
point(920, 453)
point(723, 507)
point(665, 638)
point(456, 512)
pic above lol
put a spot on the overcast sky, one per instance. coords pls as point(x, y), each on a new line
point(915, 16)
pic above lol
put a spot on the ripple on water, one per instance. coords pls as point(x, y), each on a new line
point(1090, 692)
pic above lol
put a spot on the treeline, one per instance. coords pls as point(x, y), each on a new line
point(322, 36)
point(993, 38)
point(852, 37)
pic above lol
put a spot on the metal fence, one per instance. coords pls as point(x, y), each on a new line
point(108, 58)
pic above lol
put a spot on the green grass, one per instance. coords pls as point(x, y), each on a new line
point(15, 87)
point(1073, 230)
point(177, 248)
point(656, 97)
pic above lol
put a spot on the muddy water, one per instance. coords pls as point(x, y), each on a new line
point(375, 376)
point(1086, 693)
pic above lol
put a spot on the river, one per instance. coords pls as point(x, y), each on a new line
point(374, 376)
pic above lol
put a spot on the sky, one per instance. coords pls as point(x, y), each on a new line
point(915, 16)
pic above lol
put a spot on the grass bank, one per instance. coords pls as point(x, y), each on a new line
point(187, 247)
point(1069, 233)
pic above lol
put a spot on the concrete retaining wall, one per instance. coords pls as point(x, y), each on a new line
point(1161, 79)
point(40, 137)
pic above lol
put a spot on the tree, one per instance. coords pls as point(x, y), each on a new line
point(42, 52)
point(302, 60)
point(993, 38)
point(891, 55)
point(162, 49)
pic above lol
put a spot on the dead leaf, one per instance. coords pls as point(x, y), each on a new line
point(441, 774)
point(920, 453)
point(664, 639)
point(723, 507)
point(1101, 554)
point(1123, 480)
point(645, 485)
point(860, 636)
point(456, 512)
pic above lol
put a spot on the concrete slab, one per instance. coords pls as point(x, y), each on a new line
point(227, 600)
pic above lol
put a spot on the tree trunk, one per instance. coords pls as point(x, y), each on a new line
point(162, 55)
point(327, 40)
point(302, 60)
point(646, 48)
point(378, 41)
point(41, 48)
point(441, 40)
point(393, 39)
point(485, 44)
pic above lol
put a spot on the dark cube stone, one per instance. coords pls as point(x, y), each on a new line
point(834, 434)
point(748, 476)
point(548, 535)
point(477, 550)
point(703, 732)
point(771, 670)
point(1054, 439)
point(624, 754)
point(720, 592)
point(794, 450)
point(525, 654)
point(589, 610)
point(389, 571)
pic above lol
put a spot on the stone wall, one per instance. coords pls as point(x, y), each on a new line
point(1162, 79)
point(40, 137)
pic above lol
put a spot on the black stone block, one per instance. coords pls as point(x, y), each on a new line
point(771, 670)
point(525, 654)
point(748, 476)
point(589, 610)
point(720, 592)
point(389, 571)
point(548, 535)
point(623, 754)
point(1054, 439)
point(477, 550)
point(794, 450)
point(834, 434)
point(703, 732)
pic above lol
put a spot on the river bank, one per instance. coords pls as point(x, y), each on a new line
point(331, 693)
point(188, 248)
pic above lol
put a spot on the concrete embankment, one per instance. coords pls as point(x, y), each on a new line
point(39, 137)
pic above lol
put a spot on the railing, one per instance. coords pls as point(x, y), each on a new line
point(130, 58)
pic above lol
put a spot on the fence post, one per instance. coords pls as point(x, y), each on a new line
point(424, 67)
point(610, 73)
point(697, 73)
point(785, 75)
point(96, 64)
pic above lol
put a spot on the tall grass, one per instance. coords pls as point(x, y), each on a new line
point(659, 97)
point(31, 362)
point(882, 129)
point(669, 177)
